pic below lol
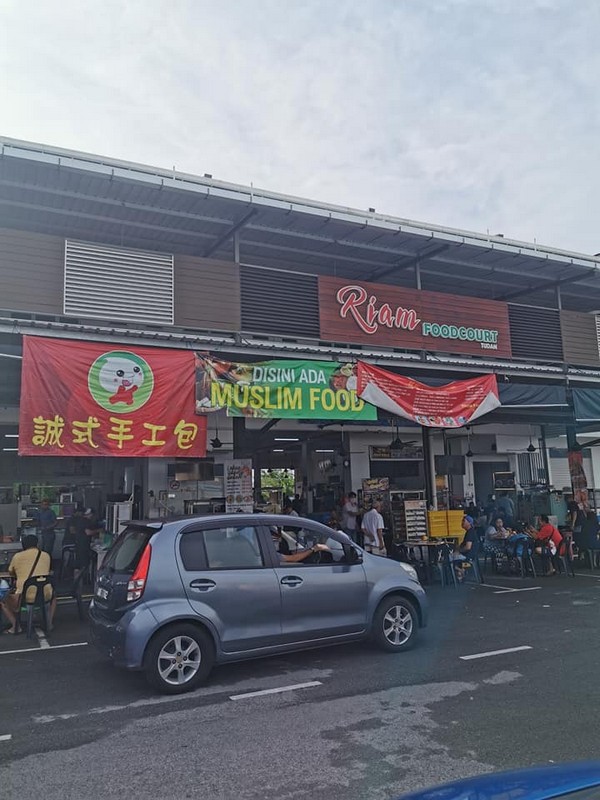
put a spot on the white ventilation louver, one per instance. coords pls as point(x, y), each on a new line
point(114, 283)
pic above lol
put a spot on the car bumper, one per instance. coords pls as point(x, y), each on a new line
point(124, 640)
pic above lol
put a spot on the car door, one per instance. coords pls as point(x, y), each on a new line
point(320, 600)
point(229, 582)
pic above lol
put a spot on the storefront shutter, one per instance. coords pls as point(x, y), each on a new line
point(535, 333)
point(281, 303)
point(116, 283)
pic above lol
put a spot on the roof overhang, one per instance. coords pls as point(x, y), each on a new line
point(66, 193)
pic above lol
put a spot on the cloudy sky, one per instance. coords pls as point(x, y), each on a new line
point(478, 114)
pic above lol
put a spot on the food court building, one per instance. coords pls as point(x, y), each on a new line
point(120, 256)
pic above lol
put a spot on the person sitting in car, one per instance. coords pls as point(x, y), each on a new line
point(283, 549)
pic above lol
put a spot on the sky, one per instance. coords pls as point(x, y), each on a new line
point(482, 115)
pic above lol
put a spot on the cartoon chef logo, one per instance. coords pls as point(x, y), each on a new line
point(120, 381)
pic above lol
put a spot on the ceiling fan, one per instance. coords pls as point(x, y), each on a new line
point(397, 443)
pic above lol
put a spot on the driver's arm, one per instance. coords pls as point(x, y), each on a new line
point(301, 555)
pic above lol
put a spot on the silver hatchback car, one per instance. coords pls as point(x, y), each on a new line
point(175, 598)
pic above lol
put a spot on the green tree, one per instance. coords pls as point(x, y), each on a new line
point(283, 479)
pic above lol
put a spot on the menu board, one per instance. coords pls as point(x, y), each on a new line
point(238, 486)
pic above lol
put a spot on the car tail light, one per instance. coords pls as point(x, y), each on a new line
point(137, 584)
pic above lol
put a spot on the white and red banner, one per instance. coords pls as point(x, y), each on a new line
point(450, 406)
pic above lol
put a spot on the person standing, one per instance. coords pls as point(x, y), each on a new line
point(46, 521)
point(289, 510)
point(506, 509)
point(87, 528)
point(350, 514)
point(297, 505)
point(372, 528)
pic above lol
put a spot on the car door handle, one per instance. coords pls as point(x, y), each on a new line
point(291, 580)
point(203, 585)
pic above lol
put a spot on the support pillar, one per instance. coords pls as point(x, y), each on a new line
point(429, 468)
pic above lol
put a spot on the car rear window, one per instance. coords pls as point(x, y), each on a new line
point(125, 553)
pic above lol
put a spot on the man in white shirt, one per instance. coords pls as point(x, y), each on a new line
point(372, 527)
point(289, 510)
point(349, 516)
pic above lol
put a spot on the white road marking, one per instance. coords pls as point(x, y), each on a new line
point(526, 589)
point(39, 649)
point(496, 652)
point(44, 643)
point(6, 737)
point(279, 689)
point(507, 588)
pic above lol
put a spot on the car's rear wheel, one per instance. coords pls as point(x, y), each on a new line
point(179, 659)
point(395, 624)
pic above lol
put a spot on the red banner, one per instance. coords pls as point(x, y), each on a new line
point(92, 399)
point(450, 406)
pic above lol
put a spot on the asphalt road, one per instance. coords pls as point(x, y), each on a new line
point(374, 725)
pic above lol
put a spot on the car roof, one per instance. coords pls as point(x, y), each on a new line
point(176, 523)
point(538, 783)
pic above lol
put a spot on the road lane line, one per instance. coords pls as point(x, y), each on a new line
point(495, 652)
point(39, 650)
point(279, 689)
point(44, 643)
point(508, 588)
point(6, 737)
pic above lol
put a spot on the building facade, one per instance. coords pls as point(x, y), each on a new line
point(93, 249)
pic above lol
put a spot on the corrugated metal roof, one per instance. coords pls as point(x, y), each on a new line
point(52, 190)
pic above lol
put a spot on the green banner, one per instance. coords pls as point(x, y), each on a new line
point(284, 389)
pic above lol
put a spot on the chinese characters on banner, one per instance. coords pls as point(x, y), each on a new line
point(92, 399)
point(238, 486)
point(449, 406)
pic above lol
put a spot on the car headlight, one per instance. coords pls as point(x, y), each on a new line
point(412, 572)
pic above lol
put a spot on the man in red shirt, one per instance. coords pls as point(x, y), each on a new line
point(548, 537)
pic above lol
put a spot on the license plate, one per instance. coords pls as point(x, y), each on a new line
point(101, 593)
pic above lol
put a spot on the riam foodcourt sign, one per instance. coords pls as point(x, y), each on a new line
point(393, 316)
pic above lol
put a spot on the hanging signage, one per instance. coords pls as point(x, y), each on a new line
point(94, 399)
point(238, 487)
point(375, 485)
point(282, 389)
point(450, 406)
point(578, 479)
point(355, 311)
point(407, 451)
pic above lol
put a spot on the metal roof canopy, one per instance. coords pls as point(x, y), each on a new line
point(66, 193)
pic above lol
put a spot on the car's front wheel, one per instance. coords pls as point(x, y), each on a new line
point(179, 659)
point(395, 624)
